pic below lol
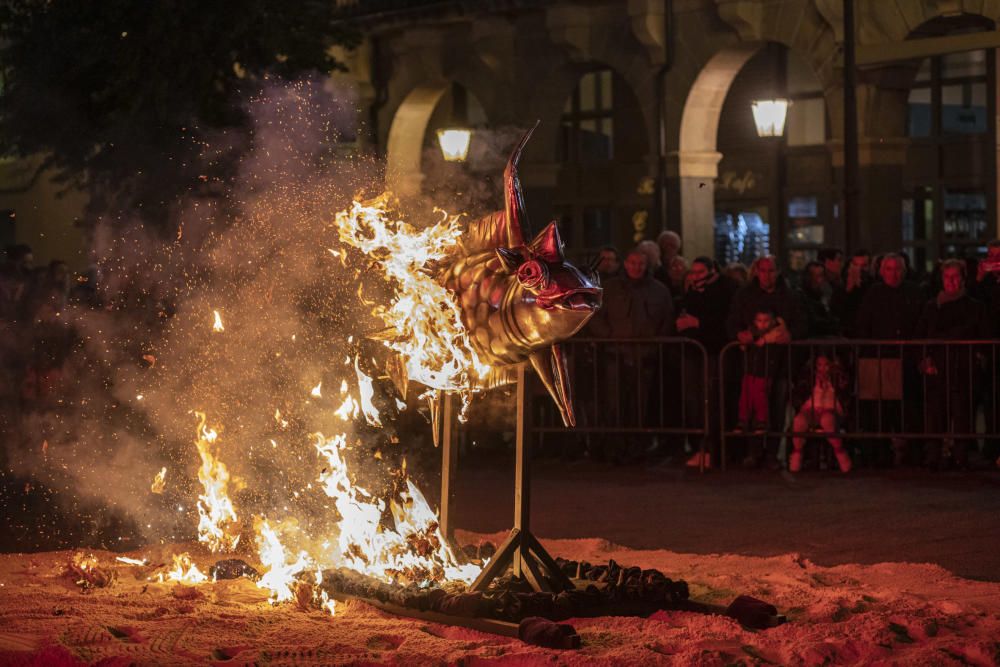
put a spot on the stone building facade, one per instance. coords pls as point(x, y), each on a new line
point(645, 121)
point(588, 71)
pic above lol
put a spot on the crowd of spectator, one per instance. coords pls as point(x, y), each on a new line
point(836, 298)
point(775, 396)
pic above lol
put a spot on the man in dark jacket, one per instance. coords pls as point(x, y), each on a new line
point(816, 292)
point(986, 288)
point(705, 307)
point(635, 306)
point(951, 373)
point(890, 311)
point(702, 316)
point(847, 296)
point(767, 291)
point(890, 308)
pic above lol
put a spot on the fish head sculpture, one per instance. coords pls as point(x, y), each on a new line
point(548, 299)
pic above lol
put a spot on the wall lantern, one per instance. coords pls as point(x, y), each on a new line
point(454, 142)
point(455, 137)
point(769, 117)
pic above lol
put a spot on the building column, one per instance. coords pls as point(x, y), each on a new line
point(878, 227)
point(691, 199)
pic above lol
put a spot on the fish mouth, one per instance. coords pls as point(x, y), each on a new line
point(581, 299)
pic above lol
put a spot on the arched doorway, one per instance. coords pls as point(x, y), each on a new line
point(742, 195)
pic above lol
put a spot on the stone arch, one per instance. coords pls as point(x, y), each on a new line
point(405, 143)
point(697, 158)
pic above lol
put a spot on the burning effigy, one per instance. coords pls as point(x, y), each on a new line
point(458, 304)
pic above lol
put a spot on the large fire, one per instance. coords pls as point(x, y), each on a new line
point(397, 539)
point(423, 321)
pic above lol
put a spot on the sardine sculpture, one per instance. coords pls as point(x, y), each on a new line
point(520, 299)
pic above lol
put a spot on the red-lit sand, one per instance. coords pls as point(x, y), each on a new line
point(899, 613)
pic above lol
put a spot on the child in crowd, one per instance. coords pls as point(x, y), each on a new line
point(758, 370)
point(819, 395)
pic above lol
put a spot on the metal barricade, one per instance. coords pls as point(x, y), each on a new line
point(629, 388)
point(902, 390)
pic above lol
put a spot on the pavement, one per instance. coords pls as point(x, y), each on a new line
point(868, 516)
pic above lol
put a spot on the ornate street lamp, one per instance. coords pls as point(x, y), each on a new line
point(454, 138)
point(769, 117)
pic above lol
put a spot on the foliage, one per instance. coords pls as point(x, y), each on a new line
point(120, 95)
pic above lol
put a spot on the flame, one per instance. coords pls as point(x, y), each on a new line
point(426, 320)
point(184, 571)
point(348, 409)
point(159, 481)
point(218, 526)
point(415, 552)
point(367, 392)
point(217, 327)
point(316, 393)
point(280, 575)
point(130, 561)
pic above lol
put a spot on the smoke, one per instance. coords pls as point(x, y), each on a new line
point(295, 317)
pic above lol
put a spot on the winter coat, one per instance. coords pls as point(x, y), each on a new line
point(890, 313)
point(988, 292)
point(964, 318)
point(752, 299)
point(711, 307)
point(844, 305)
point(821, 322)
point(634, 309)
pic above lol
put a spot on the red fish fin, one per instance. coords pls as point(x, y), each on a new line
point(552, 369)
point(548, 244)
point(515, 212)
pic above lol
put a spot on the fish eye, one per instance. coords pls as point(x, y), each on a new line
point(533, 275)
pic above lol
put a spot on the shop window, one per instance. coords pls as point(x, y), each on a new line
point(964, 216)
point(921, 116)
point(741, 237)
point(963, 108)
point(804, 225)
point(587, 124)
point(949, 96)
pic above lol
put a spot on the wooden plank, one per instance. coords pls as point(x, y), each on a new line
point(522, 457)
point(449, 465)
point(502, 558)
point(491, 625)
point(530, 571)
point(549, 563)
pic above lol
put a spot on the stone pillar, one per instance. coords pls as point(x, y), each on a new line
point(880, 184)
point(691, 199)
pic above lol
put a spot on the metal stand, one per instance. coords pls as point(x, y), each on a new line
point(522, 550)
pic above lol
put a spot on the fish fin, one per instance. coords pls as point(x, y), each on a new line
point(395, 368)
point(553, 371)
point(435, 403)
point(387, 334)
point(504, 228)
point(499, 376)
point(515, 212)
point(548, 244)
